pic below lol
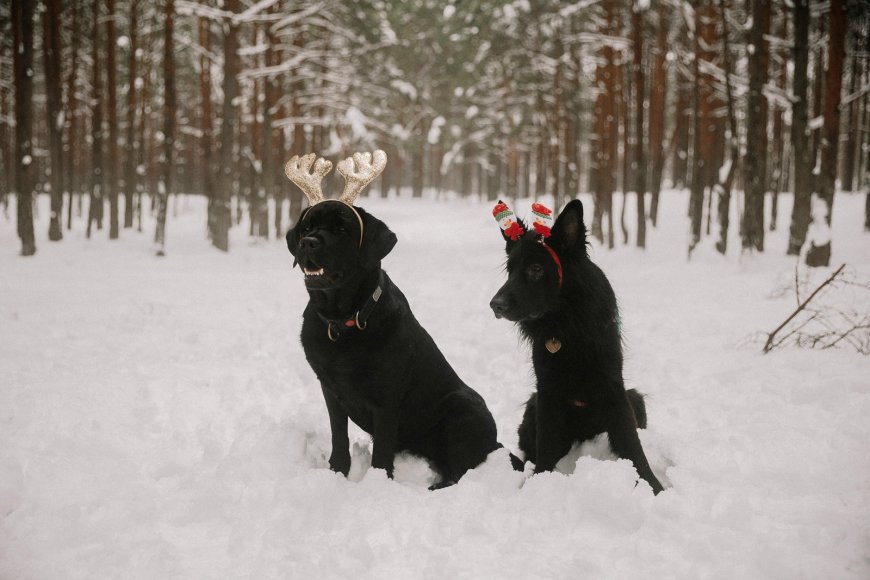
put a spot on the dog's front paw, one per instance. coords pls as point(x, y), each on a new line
point(340, 463)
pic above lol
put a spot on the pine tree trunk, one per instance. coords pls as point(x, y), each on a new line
point(223, 202)
point(696, 196)
point(723, 207)
point(7, 173)
point(206, 119)
point(755, 161)
point(639, 161)
point(604, 146)
point(53, 53)
point(112, 112)
point(683, 112)
point(130, 144)
point(22, 55)
point(800, 142)
point(657, 100)
point(624, 114)
point(298, 146)
point(852, 127)
point(165, 187)
point(777, 173)
point(95, 207)
point(273, 147)
point(820, 254)
point(146, 137)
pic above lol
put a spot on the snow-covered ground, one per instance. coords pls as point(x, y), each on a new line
point(158, 419)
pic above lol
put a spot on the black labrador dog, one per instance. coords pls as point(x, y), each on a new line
point(376, 364)
point(565, 307)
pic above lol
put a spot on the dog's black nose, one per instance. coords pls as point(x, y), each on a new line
point(309, 243)
point(499, 306)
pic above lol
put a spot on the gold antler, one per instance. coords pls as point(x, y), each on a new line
point(366, 170)
point(298, 170)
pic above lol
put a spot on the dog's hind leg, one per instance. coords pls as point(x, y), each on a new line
point(638, 406)
point(468, 436)
point(625, 443)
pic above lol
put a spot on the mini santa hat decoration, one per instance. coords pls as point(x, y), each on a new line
point(507, 221)
point(543, 219)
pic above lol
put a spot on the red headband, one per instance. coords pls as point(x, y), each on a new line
point(512, 229)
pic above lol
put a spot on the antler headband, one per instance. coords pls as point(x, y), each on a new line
point(358, 171)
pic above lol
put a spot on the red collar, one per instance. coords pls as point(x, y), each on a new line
point(555, 259)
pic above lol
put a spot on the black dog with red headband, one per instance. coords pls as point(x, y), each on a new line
point(566, 308)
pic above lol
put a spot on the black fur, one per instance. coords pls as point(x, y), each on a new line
point(580, 389)
point(390, 378)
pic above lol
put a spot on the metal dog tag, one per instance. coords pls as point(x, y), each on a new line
point(553, 345)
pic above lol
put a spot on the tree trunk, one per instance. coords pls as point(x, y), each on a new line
point(52, 53)
point(852, 125)
point(165, 187)
point(112, 111)
point(130, 144)
point(296, 198)
point(723, 208)
point(819, 254)
point(755, 161)
point(657, 100)
point(604, 147)
point(206, 119)
point(683, 112)
point(22, 57)
point(701, 119)
point(146, 137)
point(273, 147)
point(7, 173)
point(258, 204)
point(803, 165)
point(777, 173)
point(95, 207)
point(639, 161)
point(223, 202)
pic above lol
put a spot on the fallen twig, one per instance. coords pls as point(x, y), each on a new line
point(771, 336)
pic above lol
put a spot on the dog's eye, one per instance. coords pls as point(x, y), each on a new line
point(340, 230)
point(535, 271)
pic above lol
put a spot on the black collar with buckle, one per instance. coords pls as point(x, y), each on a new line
point(359, 319)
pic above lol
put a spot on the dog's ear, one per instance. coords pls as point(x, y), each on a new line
point(378, 240)
point(569, 233)
point(293, 234)
point(292, 238)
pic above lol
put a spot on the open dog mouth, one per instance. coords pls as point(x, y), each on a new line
point(317, 276)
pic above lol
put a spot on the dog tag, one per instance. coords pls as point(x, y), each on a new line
point(553, 345)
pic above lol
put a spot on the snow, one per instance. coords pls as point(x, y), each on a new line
point(159, 420)
point(435, 130)
point(357, 121)
point(405, 88)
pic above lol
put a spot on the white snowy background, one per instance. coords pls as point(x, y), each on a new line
point(158, 419)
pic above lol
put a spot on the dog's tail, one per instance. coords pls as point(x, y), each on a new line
point(638, 406)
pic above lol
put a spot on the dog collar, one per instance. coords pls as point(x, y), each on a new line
point(359, 319)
